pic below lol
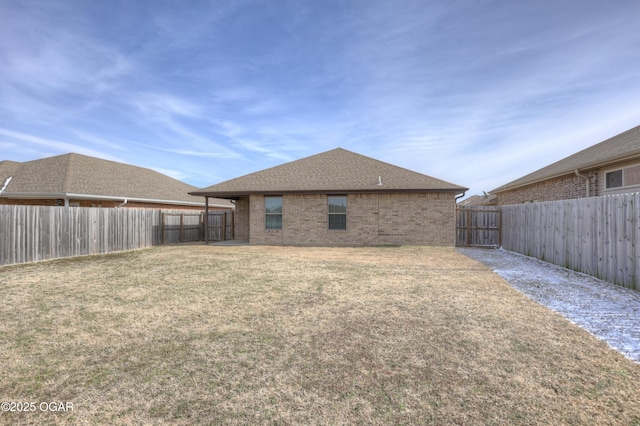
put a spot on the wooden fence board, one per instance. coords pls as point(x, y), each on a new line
point(597, 236)
point(478, 227)
point(635, 235)
point(32, 233)
point(181, 227)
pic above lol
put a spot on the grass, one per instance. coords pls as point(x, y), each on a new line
point(283, 335)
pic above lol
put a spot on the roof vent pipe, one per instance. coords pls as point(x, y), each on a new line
point(588, 182)
point(6, 183)
point(379, 181)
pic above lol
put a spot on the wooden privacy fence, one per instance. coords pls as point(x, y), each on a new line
point(219, 226)
point(32, 233)
point(597, 235)
point(478, 227)
point(181, 227)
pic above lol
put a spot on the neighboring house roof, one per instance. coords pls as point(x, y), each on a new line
point(82, 177)
point(625, 146)
point(337, 170)
point(479, 200)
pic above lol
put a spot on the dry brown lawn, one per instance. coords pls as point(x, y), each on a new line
point(284, 335)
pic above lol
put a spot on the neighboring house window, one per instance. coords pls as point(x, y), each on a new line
point(614, 179)
point(337, 212)
point(632, 176)
point(273, 212)
point(626, 177)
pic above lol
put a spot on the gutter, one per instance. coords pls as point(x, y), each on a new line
point(589, 166)
point(124, 200)
point(586, 178)
point(243, 193)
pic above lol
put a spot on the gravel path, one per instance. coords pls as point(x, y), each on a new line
point(610, 312)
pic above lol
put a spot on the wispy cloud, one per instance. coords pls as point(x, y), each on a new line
point(223, 153)
point(95, 140)
point(477, 93)
point(54, 145)
point(51, 71)
point(161, 105)
point(40, 57)
point(176, 174)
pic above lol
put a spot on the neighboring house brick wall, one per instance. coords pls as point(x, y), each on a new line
point(27, 202)
point(372, 219)
point(134, 205)
point(572, 186)
point(561, 188)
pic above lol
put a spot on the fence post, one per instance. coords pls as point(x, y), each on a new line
point(181, 227)
point(233, 226)
point(223, 226)
point(162, 229)
point(499, 228)
point(206, 221)
point(468, 214)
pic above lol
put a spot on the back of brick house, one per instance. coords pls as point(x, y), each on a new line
point(340, 198)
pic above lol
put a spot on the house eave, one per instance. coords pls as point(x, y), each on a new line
point(72, 196)
point(584, 168)
point(237, 194)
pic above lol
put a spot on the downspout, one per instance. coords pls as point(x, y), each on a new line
point(588, 182)
point(460, 196)
point(123, 203)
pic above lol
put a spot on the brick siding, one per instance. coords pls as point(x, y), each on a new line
point(241, 219)
point(561, 188)
point(372, 219)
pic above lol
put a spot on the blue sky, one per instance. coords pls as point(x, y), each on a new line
point(477, 93)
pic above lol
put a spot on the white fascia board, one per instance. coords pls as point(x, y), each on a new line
point(47, 195)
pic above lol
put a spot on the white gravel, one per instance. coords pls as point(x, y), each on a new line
point(608, 311)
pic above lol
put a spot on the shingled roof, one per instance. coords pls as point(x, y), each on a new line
point(625, 146)
point(337, 170)
point(83, 177)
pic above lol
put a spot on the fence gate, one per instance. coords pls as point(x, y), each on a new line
point(478, 227)
point(181, 227)
point(219, 226)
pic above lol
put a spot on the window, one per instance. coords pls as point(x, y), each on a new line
point(614, 179)
point(337, 212)
point(632, 176)
point(626, 177)
point(273, 212)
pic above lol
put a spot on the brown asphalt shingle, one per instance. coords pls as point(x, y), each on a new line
point(622, 146)
point(337, 170)
point(84, 175)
